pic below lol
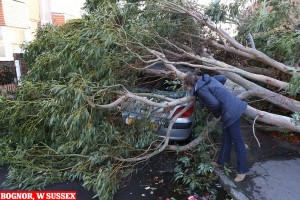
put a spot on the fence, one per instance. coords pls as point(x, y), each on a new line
point(8, 79)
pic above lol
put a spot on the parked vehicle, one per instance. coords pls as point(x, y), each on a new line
point(159, 118)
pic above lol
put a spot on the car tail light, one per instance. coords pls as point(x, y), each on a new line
point(186, 113)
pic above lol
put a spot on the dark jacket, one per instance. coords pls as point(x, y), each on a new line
point(211, 92)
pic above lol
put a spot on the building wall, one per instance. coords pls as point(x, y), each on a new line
point(45, 11)
point(13, 25)
point(15, 13)
point(34, 19)
point(19, 23)
point(2, 22)
point(60, 11)
point(34, 10)
point(70, 8)
point(19, 20)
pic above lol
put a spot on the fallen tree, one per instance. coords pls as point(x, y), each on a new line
point(64, 122)
point(248, 80)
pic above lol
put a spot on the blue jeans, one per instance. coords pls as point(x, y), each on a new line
point(232, 135)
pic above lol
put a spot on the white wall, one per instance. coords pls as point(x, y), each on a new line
point(15, 14)
point(71, 8)
point(17, 27)
point(45, 11)
point(8, 39)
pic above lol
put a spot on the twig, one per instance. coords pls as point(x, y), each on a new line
point(251, 41)
point(196, 141)
point(145, 61)
point(107, 106)
point(254, 129)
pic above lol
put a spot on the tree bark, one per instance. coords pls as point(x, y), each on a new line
point(203, 20)
point(282, 122)
point(258, 91)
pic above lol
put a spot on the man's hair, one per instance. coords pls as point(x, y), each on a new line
point(190, 79)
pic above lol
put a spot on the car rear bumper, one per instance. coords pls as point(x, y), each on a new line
point(179, 131)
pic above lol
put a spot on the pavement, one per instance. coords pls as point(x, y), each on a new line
point(274, 174)
point(274, 169)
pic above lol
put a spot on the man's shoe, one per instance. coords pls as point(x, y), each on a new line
point(240, 177)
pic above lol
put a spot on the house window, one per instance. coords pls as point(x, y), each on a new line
point(18, 37)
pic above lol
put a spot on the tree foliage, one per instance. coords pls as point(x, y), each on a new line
point(48, 132)
point(275, 32)
point(224, 13)
point(64, 122)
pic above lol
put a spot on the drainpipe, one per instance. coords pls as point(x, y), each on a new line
point(18, 70)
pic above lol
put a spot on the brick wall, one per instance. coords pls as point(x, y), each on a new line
point(7, 63)
point(17, 56)
point(7, 84)
point(57, 19)
point(2, 22)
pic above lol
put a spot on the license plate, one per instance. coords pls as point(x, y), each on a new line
point(131, 120)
